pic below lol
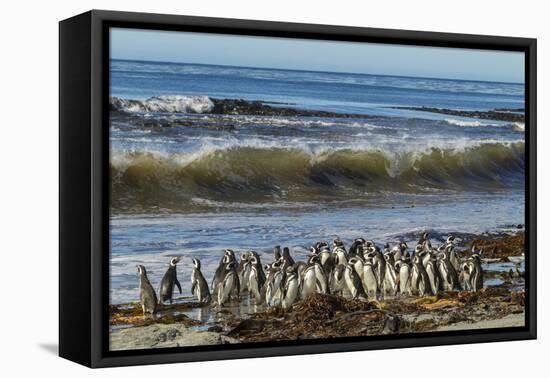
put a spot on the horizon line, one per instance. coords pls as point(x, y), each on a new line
point(318, 71)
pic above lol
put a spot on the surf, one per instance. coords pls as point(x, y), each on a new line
point(248, 173)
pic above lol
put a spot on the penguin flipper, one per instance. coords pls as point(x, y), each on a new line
point(193, 288)
point(178, 285)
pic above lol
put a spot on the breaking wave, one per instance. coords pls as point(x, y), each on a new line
point(164, 104)
point(247, 174)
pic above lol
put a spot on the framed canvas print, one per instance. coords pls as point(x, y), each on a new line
point(234, 188)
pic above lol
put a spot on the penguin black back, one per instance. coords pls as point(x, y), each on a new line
point(168, 282)
point(147, 295)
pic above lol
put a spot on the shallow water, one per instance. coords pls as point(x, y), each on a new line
point(152, 240)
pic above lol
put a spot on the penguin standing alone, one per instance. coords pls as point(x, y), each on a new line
point(147, 295)
point(168, 282)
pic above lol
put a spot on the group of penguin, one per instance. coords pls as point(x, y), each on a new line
point(362, 271)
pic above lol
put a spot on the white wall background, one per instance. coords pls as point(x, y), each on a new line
point(29, 183)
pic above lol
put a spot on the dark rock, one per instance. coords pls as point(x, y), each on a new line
point(391, 324)
point(215, 328)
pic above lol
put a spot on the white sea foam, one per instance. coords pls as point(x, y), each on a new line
point(464, 123)
point(518, 126)
point(166, 104)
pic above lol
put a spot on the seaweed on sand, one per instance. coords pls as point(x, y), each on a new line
point(132, 314)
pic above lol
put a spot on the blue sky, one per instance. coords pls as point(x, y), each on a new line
point(300, 54)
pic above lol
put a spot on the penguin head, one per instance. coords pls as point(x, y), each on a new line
point(286, 251)
point(141, 270)
point(450, 239)
point(277, 252)
point(254, 259)
point(337, 243)
point(404, 246)
point(313, 258)
point(230, 266)
point(352, 262)
point(245, 256)
point(229, 256)
point(175, 260)
point(425, 235)
point(196, 263)
point(313, 250)
point(370, 252)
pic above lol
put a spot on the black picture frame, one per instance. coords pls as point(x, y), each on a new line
point(84, 194)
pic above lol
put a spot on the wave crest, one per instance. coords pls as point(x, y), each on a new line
point(164, 104)
point(258, 174)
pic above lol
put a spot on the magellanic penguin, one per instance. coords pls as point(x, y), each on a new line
point(309, 278)
point(424, 241)
point(476, 271)
point(340, 256)
point(337, 282)
point(286, 258)
point(399, 250)
point(291, 287)
point(433, 274)
point(404, 276)
point(147, 295)
point(353, 282)
point(420, 282)
point(320, 276)
point(256, 278)
point(168, 282)
point(448, 274)
point(199, 287)
point(227, 283)
point(269, 270)
point(244, 271)
point(391, 277)
point(274, 286)
point(465, 277)
point(453, 256)
point(228, 257)
point(328, 261)
point(354, 248)
point(370, 279)
point(277, 253)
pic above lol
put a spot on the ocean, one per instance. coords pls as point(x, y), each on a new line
point(349, 162)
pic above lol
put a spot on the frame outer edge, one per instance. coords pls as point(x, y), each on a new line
point(100, 17)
